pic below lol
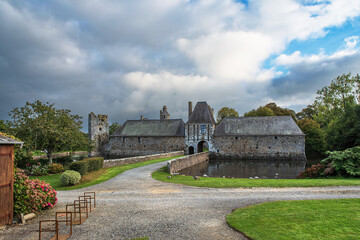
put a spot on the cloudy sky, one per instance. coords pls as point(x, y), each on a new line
point(129, 58)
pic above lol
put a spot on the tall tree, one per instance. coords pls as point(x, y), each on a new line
point(315, 143)
point(3, 126)
point(334, 100)
point(226, 112)
point(43, 127)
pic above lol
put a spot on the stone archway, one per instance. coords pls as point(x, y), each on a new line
point(202, 145)
point(191, 150)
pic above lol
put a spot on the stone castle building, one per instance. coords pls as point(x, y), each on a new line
point(256, 138)
point(98, 131)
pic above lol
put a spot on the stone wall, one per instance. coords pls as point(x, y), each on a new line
point(178, 164)
point(138, 146)
point(282, 147)
point(123, 161)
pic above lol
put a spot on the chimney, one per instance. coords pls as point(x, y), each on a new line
point(212, 112)
point(141, 118)
point(190, 108)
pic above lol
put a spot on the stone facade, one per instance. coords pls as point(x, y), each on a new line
point(259, 138)
point(143, 145)
point(98, 132)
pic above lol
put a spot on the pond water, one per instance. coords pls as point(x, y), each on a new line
point(245, 169)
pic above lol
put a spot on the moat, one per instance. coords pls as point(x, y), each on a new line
point(246, 169)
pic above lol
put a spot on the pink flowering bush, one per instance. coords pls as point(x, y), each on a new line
point(314, 171)
point(32, 195)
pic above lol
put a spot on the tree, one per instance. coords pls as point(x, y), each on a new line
point(226, 112)
point(113, 127)
point(3, 126)
point(270, 109)
point(334, 100)
point(43, 127)
point(344, 132)
point(260, 112)
point(315, 144)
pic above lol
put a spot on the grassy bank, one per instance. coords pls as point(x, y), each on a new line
point(211, 182)
point(96, 177)
point(309, 219)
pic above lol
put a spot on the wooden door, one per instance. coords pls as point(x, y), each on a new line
point(6, 183)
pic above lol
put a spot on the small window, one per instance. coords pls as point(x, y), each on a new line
point(217, 150)
point(100, 129)
point(275, 137)
point(203, 129)
point(269, 147)
point(236, 137)
point(139, 140)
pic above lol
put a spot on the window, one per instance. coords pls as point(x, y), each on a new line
point(203, 129)
point(100, 129)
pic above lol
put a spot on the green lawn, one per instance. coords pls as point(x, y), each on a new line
point(96, 177)
point(308, 219)
point(211, 182)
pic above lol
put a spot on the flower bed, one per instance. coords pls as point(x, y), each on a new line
point(32, 195)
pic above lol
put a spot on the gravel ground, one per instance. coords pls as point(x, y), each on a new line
point(134, 205)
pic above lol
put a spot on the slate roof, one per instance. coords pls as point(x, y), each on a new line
point(151, 128)
point(8, 140)
point(279, 125)
point(201, 114)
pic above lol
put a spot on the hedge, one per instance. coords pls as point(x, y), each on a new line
point(87, 165)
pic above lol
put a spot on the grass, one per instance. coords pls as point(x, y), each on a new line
point(307, 219)
point(96, 177)
point(211, 182)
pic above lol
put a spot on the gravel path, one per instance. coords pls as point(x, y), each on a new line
point(134, 205)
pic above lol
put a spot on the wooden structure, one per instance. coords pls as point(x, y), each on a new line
point(6, 178)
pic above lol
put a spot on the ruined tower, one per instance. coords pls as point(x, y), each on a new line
point(164, 115)
point(98, 131)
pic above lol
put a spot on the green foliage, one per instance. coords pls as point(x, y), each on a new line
point(87, 165)
point(31, 195)
point(309, 112)
point(334, 100)
point(79, 166)
point(270, 109)
point(226, 112)
point(344, 132)
point(55, 168)
point(23, 158)
point(38, 170)
point(3, 126)
point(43, 127)
point(94, 163)
point(345, 163)
point(69, 178)
point(315, 143)
point(113, 127)
point(307, 219)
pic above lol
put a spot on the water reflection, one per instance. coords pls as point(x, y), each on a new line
point(246, 169)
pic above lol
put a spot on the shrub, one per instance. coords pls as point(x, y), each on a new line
point(95, 163)
point(55, 168)
point(23, 159)
point(344, 163)
point(312, 172)
point(79, 166)
point(38, 170)
point(70, 177)
point(31, 195)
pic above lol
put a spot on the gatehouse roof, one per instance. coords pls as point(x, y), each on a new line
point(151, 128)
point(276, 125)
point(201, 114)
